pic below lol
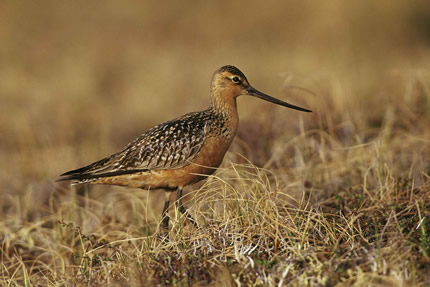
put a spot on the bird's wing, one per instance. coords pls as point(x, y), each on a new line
point(169, 145)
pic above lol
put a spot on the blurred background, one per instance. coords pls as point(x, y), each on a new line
point(79, 80)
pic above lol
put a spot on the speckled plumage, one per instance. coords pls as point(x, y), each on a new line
point(170, 145)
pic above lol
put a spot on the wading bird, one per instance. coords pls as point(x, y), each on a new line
point(179, 152)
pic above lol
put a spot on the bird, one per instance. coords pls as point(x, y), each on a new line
point(179, 152)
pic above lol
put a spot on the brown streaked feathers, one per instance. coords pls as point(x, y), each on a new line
point(170, 145)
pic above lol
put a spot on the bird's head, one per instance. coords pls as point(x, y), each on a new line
point(228, 82)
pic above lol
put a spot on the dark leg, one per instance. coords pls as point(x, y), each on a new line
point(165, 218)
point(182, 208)
point(164, 215)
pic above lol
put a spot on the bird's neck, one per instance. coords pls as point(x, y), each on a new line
point(226, 109)
point(226, 121)
point(224, 104)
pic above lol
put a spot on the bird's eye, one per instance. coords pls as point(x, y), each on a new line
point(236, 80)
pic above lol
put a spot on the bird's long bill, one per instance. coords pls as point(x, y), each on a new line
point(258, 94)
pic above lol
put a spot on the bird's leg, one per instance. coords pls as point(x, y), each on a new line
point(182, 208)
point(164, 215)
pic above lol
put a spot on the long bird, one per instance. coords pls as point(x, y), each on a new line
point(179, 152)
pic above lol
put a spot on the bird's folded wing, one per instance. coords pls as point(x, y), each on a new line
point(170, 145)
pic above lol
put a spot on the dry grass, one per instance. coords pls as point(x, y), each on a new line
point(337, 197)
